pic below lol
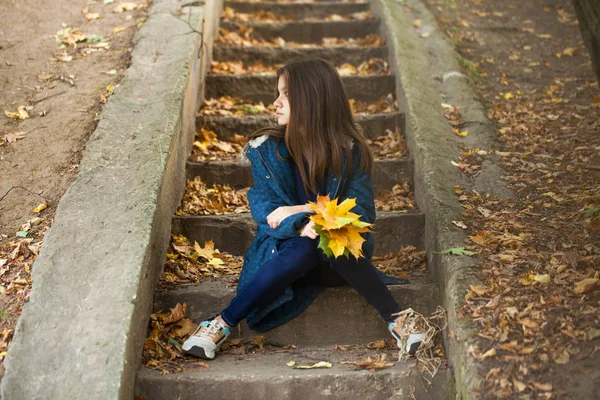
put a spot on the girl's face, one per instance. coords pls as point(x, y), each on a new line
point(282, 103)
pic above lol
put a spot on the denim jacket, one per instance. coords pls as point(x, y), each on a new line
point(274, 187)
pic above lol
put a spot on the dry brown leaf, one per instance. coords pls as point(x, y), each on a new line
point(177, 313)
point(586, 285)
point(13, 137)
point(371, 364)
point(202, 364)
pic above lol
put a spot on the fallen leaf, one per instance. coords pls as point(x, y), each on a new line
point(186, 327)
point(202, 364)
point(591, 334)
point(125, 7)
point(490, 353)
point(562, 358)
point(259, 340)
point(177, 313)
point(460, 224)
point(207, 251)
point(520, 386)
point(481, 237)
point(20, 114)
point(546, 387)
point(371, 364)
point(586, 285)
point(378, 344)
point(13, 137)
point(64, 57)
point(320, 364)
point(479, 290)
point(457, 251)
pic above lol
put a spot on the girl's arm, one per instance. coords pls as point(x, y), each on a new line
point(263, 201)
point(261, 205)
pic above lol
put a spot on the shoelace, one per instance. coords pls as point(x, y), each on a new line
point(212, 329)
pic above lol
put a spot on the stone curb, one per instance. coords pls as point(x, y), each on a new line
point(81, 333)
point(428, 74)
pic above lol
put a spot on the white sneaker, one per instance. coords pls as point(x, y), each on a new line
point(413, 341)
point(207, 339)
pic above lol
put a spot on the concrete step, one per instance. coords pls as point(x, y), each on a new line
point(225, 127)
point(263, 87)
point(386, 174)
point(308, 31)
point(256, 376)
point(299, 10)
point(282, 55)
point(339, 315)
point(234, 233)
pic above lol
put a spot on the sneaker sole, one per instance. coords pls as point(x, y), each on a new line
point(413, 348)
point(197, 351)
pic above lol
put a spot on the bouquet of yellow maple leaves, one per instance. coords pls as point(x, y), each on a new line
point(338, 229)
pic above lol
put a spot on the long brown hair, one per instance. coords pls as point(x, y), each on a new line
point(321, 123)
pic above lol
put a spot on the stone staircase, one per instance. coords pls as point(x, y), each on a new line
point(339, 316)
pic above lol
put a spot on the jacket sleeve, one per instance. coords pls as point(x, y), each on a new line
point(263, 201)
point(360, 186)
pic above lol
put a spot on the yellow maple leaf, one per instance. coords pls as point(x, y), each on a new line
point(208, 250)
point(339, 229)
point(355, 240)
point(330, 215)
point(338, 241)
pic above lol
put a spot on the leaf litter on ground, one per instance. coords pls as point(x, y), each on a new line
point(227, 106)
point(243, 37)
point(538, 255)
point(373, 66)
point(199, 199)
point(193, 264)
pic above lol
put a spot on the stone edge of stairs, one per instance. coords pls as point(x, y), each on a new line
point(397, 382)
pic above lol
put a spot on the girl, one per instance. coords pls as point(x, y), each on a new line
point(316, 148)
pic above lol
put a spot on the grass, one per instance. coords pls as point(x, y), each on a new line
point(470, 68)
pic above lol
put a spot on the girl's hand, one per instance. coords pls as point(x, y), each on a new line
point(281, 213)
point(308, 230)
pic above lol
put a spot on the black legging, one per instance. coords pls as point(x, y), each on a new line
point(297, 257)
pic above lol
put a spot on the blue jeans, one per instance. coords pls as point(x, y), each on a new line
point(299, 256)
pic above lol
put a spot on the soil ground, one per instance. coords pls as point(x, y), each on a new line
point(65, 99)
